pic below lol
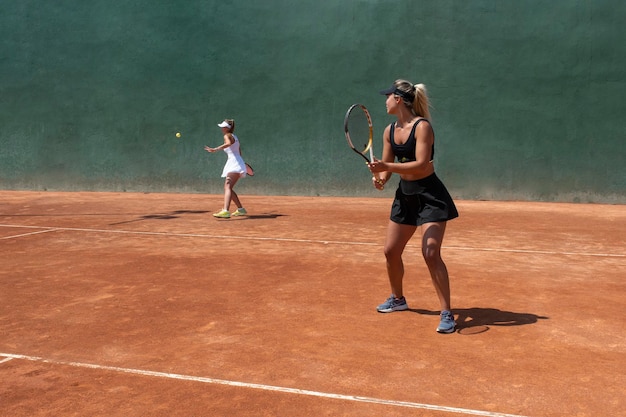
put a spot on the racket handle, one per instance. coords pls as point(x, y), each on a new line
point(376, 177)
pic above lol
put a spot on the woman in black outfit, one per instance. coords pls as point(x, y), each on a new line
point(421, 199)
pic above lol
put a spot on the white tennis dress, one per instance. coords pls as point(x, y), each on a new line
point(235, 162)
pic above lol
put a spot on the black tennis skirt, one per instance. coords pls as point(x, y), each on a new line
point(422, 201)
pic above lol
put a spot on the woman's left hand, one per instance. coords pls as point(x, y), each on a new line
point(378, 183)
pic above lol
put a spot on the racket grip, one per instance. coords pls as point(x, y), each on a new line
point(375, 177)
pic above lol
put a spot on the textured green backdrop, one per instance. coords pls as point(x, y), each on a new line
point(528, 96)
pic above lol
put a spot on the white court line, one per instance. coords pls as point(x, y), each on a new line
point(6, 359)
point(28, 234)
point(296, 391)
point(325, 242)
point(534, 251)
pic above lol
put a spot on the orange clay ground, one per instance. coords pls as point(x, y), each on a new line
point(121, 304)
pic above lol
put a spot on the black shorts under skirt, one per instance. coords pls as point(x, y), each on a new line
point(423, 201)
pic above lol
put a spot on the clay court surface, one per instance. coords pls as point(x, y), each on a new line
point(123, 304)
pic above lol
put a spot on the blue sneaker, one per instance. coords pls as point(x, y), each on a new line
point(447, 324)
point(393, 304)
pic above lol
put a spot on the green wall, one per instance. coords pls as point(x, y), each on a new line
point(528, 96)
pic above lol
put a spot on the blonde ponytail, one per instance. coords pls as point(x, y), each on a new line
point(421, 105)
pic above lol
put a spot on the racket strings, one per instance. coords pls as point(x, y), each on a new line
point(359, 130)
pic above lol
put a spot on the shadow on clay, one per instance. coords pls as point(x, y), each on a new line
point(478, 320)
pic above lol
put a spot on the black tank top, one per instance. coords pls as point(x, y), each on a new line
point(406, 152)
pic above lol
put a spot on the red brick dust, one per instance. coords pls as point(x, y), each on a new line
point(129, 304)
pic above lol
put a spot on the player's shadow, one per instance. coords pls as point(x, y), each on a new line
point(478, 320)
point(165, 216)
point(259, 216)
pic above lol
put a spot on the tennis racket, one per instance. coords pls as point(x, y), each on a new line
point(249, 170)
point(359, 132)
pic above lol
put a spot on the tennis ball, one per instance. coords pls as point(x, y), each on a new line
point(177, 134)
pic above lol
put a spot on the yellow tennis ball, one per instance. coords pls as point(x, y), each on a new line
point(177, 134)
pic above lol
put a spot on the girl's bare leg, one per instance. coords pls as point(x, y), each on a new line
point(398, 236)
point(432, 238)
point(229, 193)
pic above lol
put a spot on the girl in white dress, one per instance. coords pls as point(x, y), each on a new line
point(234, 169)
